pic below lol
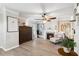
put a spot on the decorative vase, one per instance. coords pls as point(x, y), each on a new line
point(67, 50)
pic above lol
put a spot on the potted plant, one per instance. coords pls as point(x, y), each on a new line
point(68, 44)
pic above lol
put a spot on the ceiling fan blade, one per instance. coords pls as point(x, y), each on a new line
point(53, 18)
point(50, 17)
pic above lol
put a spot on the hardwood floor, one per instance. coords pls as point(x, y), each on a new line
point(33, 48)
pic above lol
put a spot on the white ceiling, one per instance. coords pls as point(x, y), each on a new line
point(36, 7)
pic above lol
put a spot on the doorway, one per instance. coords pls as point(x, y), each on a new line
point(39, 30)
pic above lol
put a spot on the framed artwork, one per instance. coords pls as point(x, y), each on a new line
point(12, 24)
point(64, 25)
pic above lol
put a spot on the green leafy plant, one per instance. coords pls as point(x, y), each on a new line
point(68, 43)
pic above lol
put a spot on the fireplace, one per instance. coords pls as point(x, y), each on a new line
point(49, 35)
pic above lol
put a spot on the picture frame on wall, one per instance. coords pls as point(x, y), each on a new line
point(12, 24)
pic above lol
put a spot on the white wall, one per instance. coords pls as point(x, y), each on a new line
point(0, 29)
point(1, 26)
point(76, 37)
point(76, 27)
point(9, 40)
point(3, 29)
point(51, 26)
point(12, 39)
point(22, 20)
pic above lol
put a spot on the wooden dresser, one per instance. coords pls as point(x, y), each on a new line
point(25, 34)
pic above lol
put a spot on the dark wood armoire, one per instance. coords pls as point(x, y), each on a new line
point(25, 34)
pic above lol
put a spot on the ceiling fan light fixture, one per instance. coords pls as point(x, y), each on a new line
point(44, 21)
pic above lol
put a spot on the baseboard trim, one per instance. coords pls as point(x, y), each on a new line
point(10, 48)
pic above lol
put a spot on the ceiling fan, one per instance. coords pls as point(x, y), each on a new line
point(45, 15)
